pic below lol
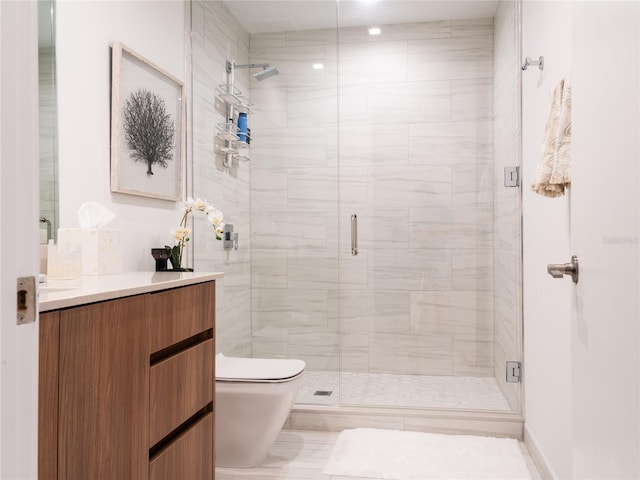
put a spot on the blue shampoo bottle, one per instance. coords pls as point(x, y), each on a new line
point(242, 127)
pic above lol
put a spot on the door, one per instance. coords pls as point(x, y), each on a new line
point(604, 234)
point(18, 236)
point(546, 31)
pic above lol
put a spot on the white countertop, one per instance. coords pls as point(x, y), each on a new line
point(55, 294)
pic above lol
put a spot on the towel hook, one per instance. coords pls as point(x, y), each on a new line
point(528, 62)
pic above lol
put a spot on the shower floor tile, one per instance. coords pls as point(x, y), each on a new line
point(393, 390)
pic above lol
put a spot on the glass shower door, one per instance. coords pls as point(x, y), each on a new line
point(417, 167)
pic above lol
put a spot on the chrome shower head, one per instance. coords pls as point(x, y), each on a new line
point(265, 73)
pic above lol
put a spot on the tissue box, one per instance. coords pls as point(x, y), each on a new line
point(102, 248)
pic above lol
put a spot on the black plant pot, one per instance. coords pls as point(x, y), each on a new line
point(161, 255)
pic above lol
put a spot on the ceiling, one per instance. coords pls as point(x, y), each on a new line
point(263, 16)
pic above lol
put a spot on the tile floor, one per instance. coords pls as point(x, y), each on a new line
point(393, 390)
point(301, 455)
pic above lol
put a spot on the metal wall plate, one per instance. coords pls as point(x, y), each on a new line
point(513, 372)
point(511, 176)
point(229, 238)
point(26, 300)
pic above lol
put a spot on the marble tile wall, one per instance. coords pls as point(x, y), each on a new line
point(507, 217)
point(216, 36)
point(410, 117)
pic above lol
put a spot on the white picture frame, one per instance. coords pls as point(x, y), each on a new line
point(147, 128)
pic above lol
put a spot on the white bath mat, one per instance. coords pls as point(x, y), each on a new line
point(401, 455)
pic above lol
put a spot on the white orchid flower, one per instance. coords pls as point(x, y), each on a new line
point(177, 234)
point(215, 217)
point(210, 208)
point(219, 231)
point(200, 204)
point(181, 233)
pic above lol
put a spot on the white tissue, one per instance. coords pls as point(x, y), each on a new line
point(94, 215)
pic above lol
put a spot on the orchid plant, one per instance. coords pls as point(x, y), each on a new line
point(182, 234)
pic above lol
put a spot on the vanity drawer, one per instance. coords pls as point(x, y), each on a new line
point(181, 313)
point(180, 386)
point(189, 456)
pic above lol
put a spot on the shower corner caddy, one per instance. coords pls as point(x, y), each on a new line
point(235, 102)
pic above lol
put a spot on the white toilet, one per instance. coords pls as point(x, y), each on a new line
point(253, 399)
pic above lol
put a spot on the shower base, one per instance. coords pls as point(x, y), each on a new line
point(403, 391)
point(436, 404)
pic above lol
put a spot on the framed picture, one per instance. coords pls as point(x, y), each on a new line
point(147, 128)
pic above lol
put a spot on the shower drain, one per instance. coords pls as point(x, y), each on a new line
point(323, 393)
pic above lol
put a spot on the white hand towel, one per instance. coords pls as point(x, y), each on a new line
point(553, 173)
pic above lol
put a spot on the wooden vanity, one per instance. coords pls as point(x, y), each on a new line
point(127, 378)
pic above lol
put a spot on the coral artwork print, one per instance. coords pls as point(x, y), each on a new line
point(149, 129)
point(147, 124)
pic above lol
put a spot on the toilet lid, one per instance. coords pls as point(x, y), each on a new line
point(234, 369)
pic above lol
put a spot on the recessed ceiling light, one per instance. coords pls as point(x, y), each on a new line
point(374, 31)
point(318, 66)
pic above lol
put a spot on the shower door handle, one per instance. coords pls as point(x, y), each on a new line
point(354, 235)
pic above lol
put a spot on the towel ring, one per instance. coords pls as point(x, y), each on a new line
point(528, 62)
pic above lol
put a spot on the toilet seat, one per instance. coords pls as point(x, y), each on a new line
point(257, 370)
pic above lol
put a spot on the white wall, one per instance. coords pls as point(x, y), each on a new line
point(546, 31)
point(85, 31)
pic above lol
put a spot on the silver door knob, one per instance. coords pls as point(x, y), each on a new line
point(558, 270)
